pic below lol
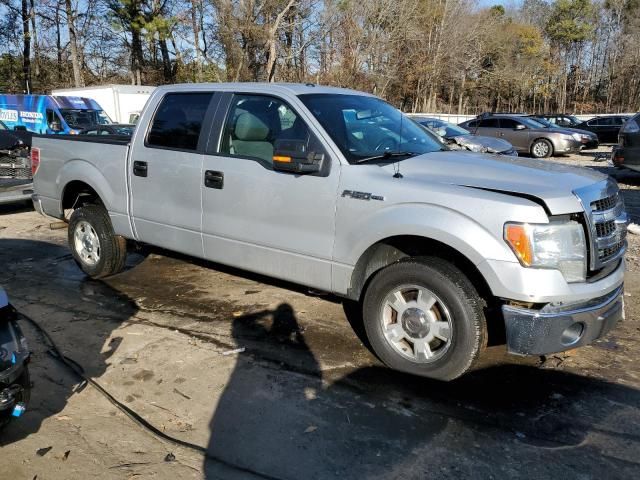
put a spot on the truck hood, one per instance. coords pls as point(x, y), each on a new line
point(550, 182)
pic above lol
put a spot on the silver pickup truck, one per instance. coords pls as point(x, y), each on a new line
point(445, 251)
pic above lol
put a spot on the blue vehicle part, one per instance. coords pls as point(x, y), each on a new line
point(15, 385)
point(37, 113)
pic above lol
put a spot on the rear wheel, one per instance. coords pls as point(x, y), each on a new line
point(542, 148)
point(97, 250)
point(426, 318)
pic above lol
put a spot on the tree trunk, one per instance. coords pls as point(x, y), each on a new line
point(136, 55)
point(26, 48)
point(196, 40)
point(272, 38)
point(461, 95)
point(58, 43)
point(36, 47)
point(73, 42)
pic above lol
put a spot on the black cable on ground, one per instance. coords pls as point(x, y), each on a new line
point(77, 369)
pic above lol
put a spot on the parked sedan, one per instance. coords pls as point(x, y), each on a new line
point(606, 127)
point(627, 152)
point(589, 139)
point(453, 135)
point(525, 134)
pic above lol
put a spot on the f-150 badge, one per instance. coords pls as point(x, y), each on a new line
point(362, 195)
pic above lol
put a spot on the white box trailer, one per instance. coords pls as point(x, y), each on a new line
point(121, 102)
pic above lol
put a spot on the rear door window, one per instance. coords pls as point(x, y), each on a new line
point(508, 123)
point(178, 121)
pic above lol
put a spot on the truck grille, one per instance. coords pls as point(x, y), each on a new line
point(605, 203)
point(9, 172)
point(606, 228)
point(15, 167)
point(606, 222)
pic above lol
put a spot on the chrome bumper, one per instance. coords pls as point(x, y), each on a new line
point(550, 330)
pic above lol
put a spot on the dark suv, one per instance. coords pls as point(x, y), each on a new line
point(526, 135)
point(627, 152)
point(606, 127)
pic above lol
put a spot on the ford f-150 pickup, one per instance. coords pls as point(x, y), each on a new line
point(445, 251)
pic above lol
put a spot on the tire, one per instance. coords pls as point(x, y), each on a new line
point(541, 148)
point(97, 250)
point(455, 323)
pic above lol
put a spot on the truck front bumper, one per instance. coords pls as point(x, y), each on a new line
point(555, 329)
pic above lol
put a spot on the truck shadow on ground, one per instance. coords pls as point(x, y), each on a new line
point(19, 207)
point(375, 423)
point(282, 415)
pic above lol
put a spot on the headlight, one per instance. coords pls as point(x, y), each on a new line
point(576, 136)
point(556, 245)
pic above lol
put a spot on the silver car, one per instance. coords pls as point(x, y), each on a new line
point(526, 135)
point(457, 138)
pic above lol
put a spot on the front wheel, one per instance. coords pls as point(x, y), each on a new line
point(426, 318)
point(541, 148)
point(97, 250)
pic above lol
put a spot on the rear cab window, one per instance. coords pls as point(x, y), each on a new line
point(178, 120)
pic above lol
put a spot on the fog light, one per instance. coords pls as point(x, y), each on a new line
point(572, 334)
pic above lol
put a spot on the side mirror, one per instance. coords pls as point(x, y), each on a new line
point(292, 156)
point(520, 127)
point(55, 126)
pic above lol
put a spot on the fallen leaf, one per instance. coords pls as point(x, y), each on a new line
point(41, 452)
point(311, 428)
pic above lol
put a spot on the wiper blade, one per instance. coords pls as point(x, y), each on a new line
point(385, 156)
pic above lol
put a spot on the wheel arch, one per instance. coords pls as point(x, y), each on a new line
point(78, 192)
point(396, 248)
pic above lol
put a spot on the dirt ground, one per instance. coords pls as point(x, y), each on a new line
point(304, 399)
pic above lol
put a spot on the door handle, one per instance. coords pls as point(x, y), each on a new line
point(140, 169)
point(213, 179)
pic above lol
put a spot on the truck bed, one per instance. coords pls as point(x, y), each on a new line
point(63, 159)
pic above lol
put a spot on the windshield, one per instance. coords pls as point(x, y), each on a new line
point(364, 127)
point(3, 126)
point(442, 128)
point(77, 118)
point(545, 123)
point(531, 123)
